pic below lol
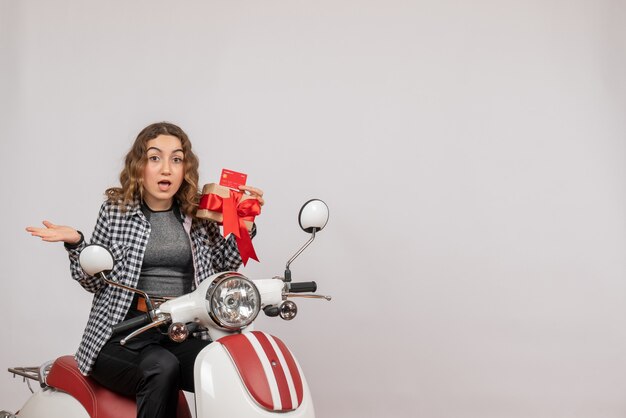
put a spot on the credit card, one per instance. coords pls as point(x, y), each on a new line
point(232, 179)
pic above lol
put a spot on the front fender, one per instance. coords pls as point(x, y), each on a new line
point(250, 375)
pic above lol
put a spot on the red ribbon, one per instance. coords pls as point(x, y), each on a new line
point(235, 213)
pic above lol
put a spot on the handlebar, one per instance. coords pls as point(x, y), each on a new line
point(131, 323)
point(302, 287)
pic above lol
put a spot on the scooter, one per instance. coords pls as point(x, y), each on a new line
point(243, 373)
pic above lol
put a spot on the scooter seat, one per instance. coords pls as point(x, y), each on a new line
point(96, 399)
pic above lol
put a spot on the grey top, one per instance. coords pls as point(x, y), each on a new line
point(167, 268)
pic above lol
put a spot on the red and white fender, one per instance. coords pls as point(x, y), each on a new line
point(253, 366)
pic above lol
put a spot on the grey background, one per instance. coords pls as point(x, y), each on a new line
point(472, 155)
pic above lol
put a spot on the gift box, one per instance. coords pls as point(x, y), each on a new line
point(211, 208)
point(235, 211)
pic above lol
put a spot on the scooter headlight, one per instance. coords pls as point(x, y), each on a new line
point(233, 301)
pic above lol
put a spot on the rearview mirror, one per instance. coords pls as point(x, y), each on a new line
point(95, 259)
point(312, 218)
point(313, 215)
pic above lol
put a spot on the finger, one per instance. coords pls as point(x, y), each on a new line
point(49, 224)
point(252, 190)
point(49, 236)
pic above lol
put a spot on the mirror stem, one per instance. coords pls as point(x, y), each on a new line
point(287, 271)
point(131, 289)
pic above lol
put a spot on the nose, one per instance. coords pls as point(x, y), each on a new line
point(165, 167)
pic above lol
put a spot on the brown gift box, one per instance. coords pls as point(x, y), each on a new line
point(224, 192)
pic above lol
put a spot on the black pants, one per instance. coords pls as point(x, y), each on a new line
point(152, 369)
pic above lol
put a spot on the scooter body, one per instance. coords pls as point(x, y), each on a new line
point(244, 373)
point(252, 374)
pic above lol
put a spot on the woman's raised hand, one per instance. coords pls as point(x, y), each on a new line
point(55, 233)
point(254, 192)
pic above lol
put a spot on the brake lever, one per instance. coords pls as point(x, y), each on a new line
point(138, 331)
point(306, 295)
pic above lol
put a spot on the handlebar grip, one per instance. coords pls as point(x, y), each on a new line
point(303, 287)
point(131, 323)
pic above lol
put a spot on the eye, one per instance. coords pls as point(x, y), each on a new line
point(153, 157)
point(177, 160)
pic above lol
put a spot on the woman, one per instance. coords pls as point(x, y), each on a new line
point(159, 247)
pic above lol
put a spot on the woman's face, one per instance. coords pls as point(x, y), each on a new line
point(164, 171)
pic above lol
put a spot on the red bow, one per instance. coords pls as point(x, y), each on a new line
point(235, 212)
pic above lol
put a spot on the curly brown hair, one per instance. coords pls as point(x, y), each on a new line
point(131, 176)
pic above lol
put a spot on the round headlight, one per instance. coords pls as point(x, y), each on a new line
point(233, 301)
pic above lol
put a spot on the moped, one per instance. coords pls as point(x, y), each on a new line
point(243, 373)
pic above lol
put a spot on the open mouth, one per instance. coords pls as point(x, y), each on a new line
point(164, 185)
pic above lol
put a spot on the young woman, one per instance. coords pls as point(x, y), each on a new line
point(160, 247)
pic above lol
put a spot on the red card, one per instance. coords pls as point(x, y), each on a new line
point(232, 179)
